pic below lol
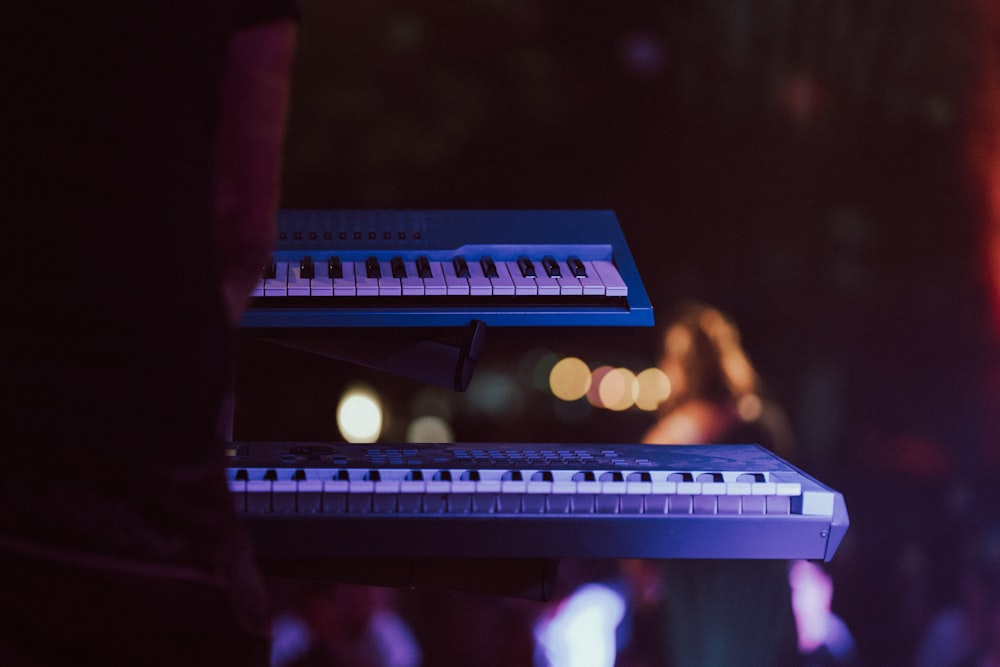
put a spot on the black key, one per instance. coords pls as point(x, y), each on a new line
point(527, 267)
point(334, 269)
point(398, 268)
point(489, 267)
point(269, 271)
point(576, 267)
point(551, 267)
point(461, 267)
point(424, 268)
point(372, 268)
point(306, 268)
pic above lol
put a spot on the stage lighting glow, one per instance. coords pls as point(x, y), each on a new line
point(594, 393)
point(429, 429)
point(583, 631)
point(654, 388)
point(359, 415)
point(618, 389)
point(570, 379)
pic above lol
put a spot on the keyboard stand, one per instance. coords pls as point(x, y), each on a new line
point(426, 358)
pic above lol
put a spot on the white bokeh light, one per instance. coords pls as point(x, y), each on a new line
point(359, 415)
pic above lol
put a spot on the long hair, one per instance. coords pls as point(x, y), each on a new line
point(706, 345)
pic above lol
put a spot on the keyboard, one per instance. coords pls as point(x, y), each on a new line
point(334, 268)
point(508, 501)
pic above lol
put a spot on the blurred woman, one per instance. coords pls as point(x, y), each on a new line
point(715, 393)
point(720, 612)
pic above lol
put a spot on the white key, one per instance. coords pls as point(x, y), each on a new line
point(454, 284)
point(488, 486)
point(436, 487)
point(297, 285)
point(614, 285)
point(503, 285)
point(277, 286)
point(387, 285)
point(412, 486)
point(435, 285)
point(563, 487)
point(523, 285)
point(413, 284)
point(322, 283)
point(713, 488)
point(479, 284)
point(569, 285)
point(365, 286)
point(513, 486)
point(547, 286)
point(259, 495)
point(638, 488)
point(664, 488)
point(346, 286)
point(283, 495)
point(310, 494)
point(689, 488)
point(592, 283)
point(613, 487)
point(763, 489)
point(463, 486)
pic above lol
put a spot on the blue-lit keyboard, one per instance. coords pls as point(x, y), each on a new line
point(447, 268)
point(531, 501)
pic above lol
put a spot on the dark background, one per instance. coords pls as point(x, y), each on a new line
point(800, 165)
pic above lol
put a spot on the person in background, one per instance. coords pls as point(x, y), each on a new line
point(964, 633)
point(715, 392)
point(142, 145)
point(720, 612)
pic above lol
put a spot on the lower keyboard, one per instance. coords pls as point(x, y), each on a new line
point(532, 501)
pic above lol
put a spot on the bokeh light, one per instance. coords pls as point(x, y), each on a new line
point(429, 429)
point(654, 388)
point(618, 389)
point(594, 394)
point(359, 415)
point(494, 394)
point(570, 379)
point(541, 369)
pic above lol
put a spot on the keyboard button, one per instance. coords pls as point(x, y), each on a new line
point(346, 284)
point(614, 285)
point(455, 284)
point(364, 283)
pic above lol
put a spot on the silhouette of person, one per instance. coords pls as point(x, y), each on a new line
point(143, 144)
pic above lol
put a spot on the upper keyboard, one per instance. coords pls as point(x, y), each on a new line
point(446, 268)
